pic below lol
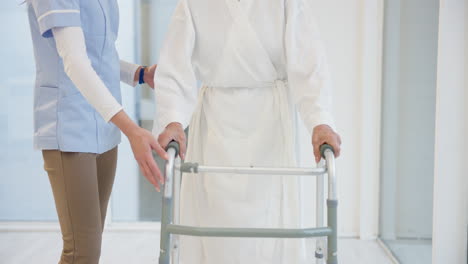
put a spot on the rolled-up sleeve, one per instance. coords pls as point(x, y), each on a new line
point(308, 74)
point(56, 13)
point(175, 80)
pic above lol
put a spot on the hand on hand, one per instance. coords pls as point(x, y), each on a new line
point(174, 131)
point(324, 134)
point(148, 77)
point(143, 142)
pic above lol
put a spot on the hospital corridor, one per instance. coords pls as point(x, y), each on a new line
point(229, 132)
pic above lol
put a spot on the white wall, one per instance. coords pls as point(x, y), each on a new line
point(451, 150)
point(352, 32)
point(408, 118)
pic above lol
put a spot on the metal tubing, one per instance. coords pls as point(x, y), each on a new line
point(168, 181)
point(320, 202)
point(254, 170)
point(248, 232)
point(332, 256)
point(332, 204)
point(331, 171)
point(165, 242)
point(176, 211)
point(166, 217)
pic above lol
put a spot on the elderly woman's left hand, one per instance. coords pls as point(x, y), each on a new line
point(324, 134)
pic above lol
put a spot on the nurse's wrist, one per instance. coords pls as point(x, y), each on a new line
point(136, 77)
point(125, 124)
point(132, 130)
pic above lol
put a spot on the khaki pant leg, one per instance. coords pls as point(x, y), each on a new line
point(73, 177)
point(106, 166)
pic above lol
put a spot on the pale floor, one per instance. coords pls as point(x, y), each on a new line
point(128, 247)
point(411, 251)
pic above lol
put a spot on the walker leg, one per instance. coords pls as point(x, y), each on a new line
point(167, 209)
point(332, 257)
point(320, 242)
point(176, 211)
point(164, 253)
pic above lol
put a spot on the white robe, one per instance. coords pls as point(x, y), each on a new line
point(257, 60)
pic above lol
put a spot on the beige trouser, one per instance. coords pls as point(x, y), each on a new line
point(81, 184)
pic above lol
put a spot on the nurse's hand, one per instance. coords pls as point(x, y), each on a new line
point(174, 131)
point(324, 134)
point(143, 143)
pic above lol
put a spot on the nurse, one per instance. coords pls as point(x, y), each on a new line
point(258, 62)
point(78, 115)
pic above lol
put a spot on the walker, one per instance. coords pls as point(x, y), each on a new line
point(171, 229)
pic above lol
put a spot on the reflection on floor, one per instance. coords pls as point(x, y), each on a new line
point(128, 247)
point(411, 251)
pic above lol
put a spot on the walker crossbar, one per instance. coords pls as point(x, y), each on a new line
point(171, 230)
point(195, 168)
point(249, 232)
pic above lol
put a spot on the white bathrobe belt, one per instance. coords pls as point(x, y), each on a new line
point(275, 83)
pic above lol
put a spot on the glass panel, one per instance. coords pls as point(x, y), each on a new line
point(408, 120)
point(25, 191)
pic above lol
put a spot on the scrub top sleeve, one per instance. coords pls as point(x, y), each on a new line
point(56, 13)
point(71, 47)
point(307, 69)
point(127, 72)
point(175, 79)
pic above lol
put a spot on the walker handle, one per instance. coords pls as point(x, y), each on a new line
point(324, 147)
point(175, 145)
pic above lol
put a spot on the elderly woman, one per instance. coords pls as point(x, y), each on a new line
point(78, 117)
point(257, 60)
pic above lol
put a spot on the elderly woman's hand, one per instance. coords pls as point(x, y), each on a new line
point(174, 131)
point(324, 134)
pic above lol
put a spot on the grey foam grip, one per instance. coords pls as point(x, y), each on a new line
point(175, 145)
point(325, 147)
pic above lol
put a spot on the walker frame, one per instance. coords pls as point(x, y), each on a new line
point(171, 229)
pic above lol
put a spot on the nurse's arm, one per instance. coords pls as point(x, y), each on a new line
point(71, 47)
point(130, 73)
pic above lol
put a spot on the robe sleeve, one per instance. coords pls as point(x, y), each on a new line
point(307, 69)
point(175, 79)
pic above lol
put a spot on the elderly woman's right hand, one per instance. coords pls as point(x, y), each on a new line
point(174, 131)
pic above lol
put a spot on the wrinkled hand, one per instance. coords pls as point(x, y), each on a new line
point(143, 142)
point(174, 131)
point(148, 77)
point(324, 134)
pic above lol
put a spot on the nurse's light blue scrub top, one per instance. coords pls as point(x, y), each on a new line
point(63, 119)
